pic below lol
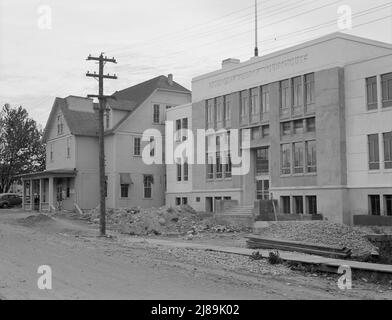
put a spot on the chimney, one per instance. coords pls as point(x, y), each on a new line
point(227, 63)
point(170, 79)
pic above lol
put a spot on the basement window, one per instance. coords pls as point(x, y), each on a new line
point(374, 205)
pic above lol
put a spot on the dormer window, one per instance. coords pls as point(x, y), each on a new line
point(60, 125)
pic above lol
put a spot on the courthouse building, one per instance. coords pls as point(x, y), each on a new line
point(320, 120)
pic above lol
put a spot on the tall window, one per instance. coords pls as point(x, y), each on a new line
point(298, 157)
point(311, 125)
point(210, 167)
point(265, 99)
point(210, 113)
point(388, 150)
point(156, 114)
point(265, 131)
point(262, 162)
point(297, 91)
point(285, 201)
point(60, 125)
point(286, 128)
point(244, 103)
point(298, 204)
point(227, 109)
point(309, 88)
point(136, 146)
point(254, 102)
point(184, 129)
point(374, 156)
point(51, 152)
point(219, 167)
point(298, 127)
point(311, 160)
point(179, 172)
point(311, 202)
point(284, 96)
point(386, 84)
point(186, 170)
point(152, 146)
point(219, 109)
point(178, 130)
point(388, 204)
point(374, 205)
point(148, 181)
point(285, 158)
point(371, 93)
point(228, 165)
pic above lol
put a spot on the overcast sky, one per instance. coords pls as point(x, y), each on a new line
point(152, 37)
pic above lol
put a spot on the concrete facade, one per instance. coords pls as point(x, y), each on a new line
point(327, 140)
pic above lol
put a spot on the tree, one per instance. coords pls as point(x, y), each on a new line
point(21, 148)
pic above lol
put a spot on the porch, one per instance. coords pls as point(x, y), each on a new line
point(49, 191)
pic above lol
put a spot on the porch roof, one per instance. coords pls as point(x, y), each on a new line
point(62, 173)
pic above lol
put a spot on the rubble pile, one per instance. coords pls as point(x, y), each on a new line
point(167, 221)
point(321, 232)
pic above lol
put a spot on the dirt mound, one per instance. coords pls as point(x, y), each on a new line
point(36, 219)
point(180, 220)
point(322, 232)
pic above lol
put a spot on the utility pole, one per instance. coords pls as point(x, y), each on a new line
point(101, 110)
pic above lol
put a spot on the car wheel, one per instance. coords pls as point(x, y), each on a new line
point(4, 206)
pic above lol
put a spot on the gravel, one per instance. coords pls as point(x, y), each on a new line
point(321, 232)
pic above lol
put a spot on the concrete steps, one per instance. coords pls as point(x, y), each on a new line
point(238, 215)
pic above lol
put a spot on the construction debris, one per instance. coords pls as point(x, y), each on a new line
point(167, 221)
point(254, 242)
point(35, 219)
point(321, 233)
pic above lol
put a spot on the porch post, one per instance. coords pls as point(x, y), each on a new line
point(50, 196)
point(40, 195)
point(31, 195)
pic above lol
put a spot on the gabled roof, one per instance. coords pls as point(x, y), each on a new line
point(80, 123)
point(137, 94)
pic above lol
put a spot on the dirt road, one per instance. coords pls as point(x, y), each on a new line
point(85, 267)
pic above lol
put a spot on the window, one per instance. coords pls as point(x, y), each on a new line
point(219, 167)
point(156, 114)
point(285, 159)
point(184, 201)
point(298, 204)
point(311, 160)
point(285, 200)
point(371, 93)
point(60, 125)
point(68, 148)
point(178, 130)
point(265, 99)
point(124, 190)
point(255, 133)
point(311, 204)
point(210, 167)
point(107, 117)
point(219, 109)
point(244, 103)
point(374, 205)
point(198, 199)
point(286, 128)
point(168, 107)
point(387, 150)
point(298, 126)
point(298, 157)
point(297, 91)
point(262, 189)
point(152, 146)
point(254, 102)
point(265, 131)
point(284, 95)
point(148, 181)
point(227, 109)
point(311, 124)
point(178, 201)
point(184, 129)
point(373, 147)
point(388, 204)
point(228, 166)
point(210, 113)
point(136, 146)
point(179, 174)
point(386, 85)
point(309, 88)
point(186, 169)
point(262, 163)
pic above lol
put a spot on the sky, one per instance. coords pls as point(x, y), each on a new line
point(44, 44)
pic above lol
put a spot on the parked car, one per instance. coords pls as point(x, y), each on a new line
point(10, 200)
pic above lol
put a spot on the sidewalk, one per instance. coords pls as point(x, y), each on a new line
point(287, 256)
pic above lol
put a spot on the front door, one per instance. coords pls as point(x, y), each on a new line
point(262, 189)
